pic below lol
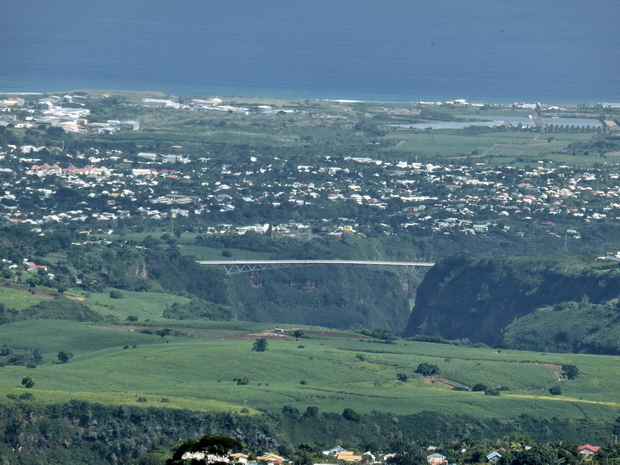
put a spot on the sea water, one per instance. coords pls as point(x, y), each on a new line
point(394, 50)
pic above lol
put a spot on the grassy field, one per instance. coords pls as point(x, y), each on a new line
point(119, 364)
point(17, 298)
point(144, 305)
point(502, 148)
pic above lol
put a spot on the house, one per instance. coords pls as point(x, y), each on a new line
point(271, 458)
point(32, 267)
point(436, 459)
point(348, 456)
point(240, 458)
point(588, 451)
point(494, 457)
point(333, 451)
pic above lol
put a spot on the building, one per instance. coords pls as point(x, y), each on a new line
point(588, 451)
point(494, 457)
point(436, 459)
point(129, 125)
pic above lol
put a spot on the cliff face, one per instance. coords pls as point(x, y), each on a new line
point(476, 297)
point(336, 297)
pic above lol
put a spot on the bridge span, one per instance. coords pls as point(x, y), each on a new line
point(245, 266)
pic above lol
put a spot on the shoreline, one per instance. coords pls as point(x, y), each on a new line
point(426, 101)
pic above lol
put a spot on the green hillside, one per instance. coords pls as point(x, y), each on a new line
point(478, 298)
point(334, 371)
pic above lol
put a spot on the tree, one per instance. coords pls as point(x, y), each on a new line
point(541, 454)
point(570, 371)
point(290, 412)
point(555, 390)
point(298, 333)
point(427, 369)
point(207, 450)
point(405, 454)
point(311, 412)
point(28, 382)
point(260, 345)
point(402, 377)
point(351, 415)
point(64, 356)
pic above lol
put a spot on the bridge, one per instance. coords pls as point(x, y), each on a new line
point(245, 266)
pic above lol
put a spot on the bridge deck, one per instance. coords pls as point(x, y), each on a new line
point(311, 262)
point(245, 266)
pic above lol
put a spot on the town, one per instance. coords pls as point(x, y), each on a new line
point(100, 190)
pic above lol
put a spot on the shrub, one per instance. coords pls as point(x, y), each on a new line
point(491, 392)
point(243, 381)
point(479, 387)
point(116, 294)
point(555, 390)
point(303, 381)
point(28, 382)
point(427, 369)
point(132, 318)
point(26, 396)
point(64, 356)
point(141, 399)
point(402, 377)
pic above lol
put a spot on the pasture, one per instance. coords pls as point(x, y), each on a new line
point(118, 364)
point(500, 148)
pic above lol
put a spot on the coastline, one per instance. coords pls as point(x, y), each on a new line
point(276, 95)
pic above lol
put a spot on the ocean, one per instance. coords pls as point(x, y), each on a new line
point(553, 51)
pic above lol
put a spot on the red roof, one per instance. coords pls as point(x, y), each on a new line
point(589, 447)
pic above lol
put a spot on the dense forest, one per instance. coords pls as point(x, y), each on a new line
point(80, 432)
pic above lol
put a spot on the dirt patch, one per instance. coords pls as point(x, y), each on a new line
point(556, 370)
point(329, 334)
point(270, 334)
point(288, 334)
point(50, 295)
point(128, 329)
point(444, 383)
